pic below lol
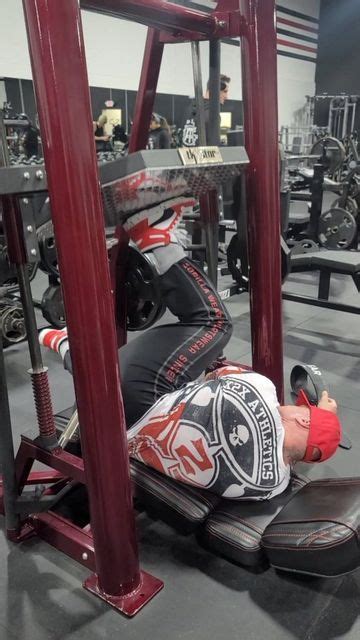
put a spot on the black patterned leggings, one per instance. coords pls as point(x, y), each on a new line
point(168, 356)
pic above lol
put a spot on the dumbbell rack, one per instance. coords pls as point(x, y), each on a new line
point(72, 180)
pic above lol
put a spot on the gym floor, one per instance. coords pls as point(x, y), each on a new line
point(205, 597)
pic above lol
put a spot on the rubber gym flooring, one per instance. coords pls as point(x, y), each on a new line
point(205, 597)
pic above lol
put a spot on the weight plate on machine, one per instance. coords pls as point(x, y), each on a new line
point(143, 294)
point(337, 229)
point(52, 306)
point(8, 272)
point(47, 248)
point(350, 205)
point(12, 324)
point(331, 150)
point(304, 246)
point(354, 188)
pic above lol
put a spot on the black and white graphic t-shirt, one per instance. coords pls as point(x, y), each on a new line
point(224, 435)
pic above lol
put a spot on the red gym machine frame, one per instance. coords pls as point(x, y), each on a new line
point(60, 78)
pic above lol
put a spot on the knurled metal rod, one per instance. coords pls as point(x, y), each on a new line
point(17, 255)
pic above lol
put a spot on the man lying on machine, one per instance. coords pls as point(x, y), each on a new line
point(225, 432)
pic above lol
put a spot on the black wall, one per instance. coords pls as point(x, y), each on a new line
point(338, 63)
point(172, 107)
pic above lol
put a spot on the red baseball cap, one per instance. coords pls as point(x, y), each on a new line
point(324, 431)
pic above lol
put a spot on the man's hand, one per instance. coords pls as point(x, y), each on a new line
point(329, 404)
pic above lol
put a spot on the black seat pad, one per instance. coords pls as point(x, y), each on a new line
point(347, 262)
point(317, 532)
point(341, 261)
point(235, 528)
point(308, 174)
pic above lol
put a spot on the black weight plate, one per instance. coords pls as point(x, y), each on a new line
point(12, 324)
point(304, 246)
point(49, 262)
point(47, 247)
point(354, 188)
point(332, 150)
point(350, 205)
point(52, 307)
point(337, 229)
point(144, 298)
point(8, 272)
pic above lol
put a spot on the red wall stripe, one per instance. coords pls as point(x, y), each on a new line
point(298, 25)
point(288, 43)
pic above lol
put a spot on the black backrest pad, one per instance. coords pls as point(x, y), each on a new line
point(317, 532)
point(235, 528)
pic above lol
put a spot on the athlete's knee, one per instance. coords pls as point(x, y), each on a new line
point(228, 324)
point(220, 315)
point(226, 328)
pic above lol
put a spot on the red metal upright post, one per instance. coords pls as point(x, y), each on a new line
point(147, 90)
point(259, 65)
point(60, 77)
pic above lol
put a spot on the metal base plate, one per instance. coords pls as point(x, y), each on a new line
point(131, 603)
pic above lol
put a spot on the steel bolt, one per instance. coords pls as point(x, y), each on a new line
point(222, 23)
point(29, 228)
point(33, 252)
point(25, 201)
point(26, 175)
point(39, 174)
point(84, 556)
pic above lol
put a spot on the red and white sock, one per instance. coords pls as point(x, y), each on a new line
point(55, 339)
